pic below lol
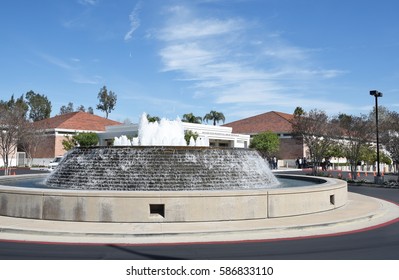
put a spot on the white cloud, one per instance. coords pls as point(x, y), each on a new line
point(134, 21)
point(186, 57)
point(56, 61)
point(88, 2)
point(227, 62)
point(198, 28)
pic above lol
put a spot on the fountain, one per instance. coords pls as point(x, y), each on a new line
point(157, 178)
point(160, 160)
point(162, 168)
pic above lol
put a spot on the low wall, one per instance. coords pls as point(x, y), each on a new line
point(328, 194)
point(169, 206)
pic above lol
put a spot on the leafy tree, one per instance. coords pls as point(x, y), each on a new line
point(335, 150)
point(86, 139)
point(267, 143)
point(190, 118)
point(70, 109)
point(66, 109)
point(367, 154)
point(81, 108)
point(39, 105)
point(317, 132)
point(356, 133)
point(19, 104)
point(107, 101)
point(384, 158)
point(188, 134)
point(83, 139)
point(69, 143)
point(90, 110)
point(153, 118)
point(299, 111)
point(215, 116)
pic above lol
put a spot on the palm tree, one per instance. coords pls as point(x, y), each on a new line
point(215, 116)
point(190, 118)
point(299, 111)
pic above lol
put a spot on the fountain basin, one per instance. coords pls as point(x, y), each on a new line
point(161, 168)
point(170, 206)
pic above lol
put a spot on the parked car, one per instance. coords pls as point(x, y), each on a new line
point(54, 163)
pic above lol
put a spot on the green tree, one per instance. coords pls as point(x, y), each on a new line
point(18, 104)
point(367, 154)
point(335, 150)
point(188, 134)
point(39, 105)
point(214, 116)
point(384, 158)
point(356, 133)
point(90, 110)
point(83, 139)
point(86, 139)
point(316, 131)
point(66, 109)
point(267, 143)
point(153, 118)
point(69, 143)
point(190, 118)
point(107, 101)
point(70, 109)
point(299, 111)
point(82, 108)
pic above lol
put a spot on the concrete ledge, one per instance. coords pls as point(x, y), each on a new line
point(329, 194)
point(169, 206)
point(360, 213)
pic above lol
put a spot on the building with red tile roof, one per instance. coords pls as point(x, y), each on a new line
point(59, 127)
point(276, 122)
point(273, 121)
point(81, 121)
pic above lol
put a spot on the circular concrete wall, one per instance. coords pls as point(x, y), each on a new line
point(170, 206)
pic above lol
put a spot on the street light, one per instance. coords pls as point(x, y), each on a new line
point(377, 179)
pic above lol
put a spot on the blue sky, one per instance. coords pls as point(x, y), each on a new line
point(171, 57)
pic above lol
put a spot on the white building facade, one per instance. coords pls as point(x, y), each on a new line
point(218, 136)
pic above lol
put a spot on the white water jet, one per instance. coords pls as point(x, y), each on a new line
point(192, 142)
point(164, 133)
point(122, 141)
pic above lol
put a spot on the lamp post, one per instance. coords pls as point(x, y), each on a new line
point(377, 179)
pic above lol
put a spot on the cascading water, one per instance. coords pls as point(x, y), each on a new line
point(159, 159)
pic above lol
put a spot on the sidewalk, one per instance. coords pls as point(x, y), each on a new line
point(361, 212)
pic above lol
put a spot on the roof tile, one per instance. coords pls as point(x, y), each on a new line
point(273, 121)
point(77, 121)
